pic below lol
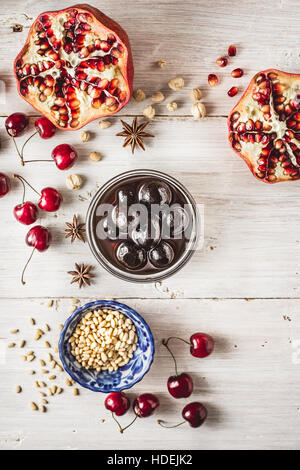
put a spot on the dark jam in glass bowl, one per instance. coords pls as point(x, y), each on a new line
point(141, 225)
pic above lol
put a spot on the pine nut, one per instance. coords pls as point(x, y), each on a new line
point(13, 332)
point(11, 345)
point(75, 391)
point(33, 406)
point(18, 389)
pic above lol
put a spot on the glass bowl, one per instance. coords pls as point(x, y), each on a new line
point(129, 275)
point(126, 376)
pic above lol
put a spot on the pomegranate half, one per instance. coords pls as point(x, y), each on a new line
point(264, 127)
point(76, 66)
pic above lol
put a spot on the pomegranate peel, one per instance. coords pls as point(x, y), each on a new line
point(76, 66)
point(264, 126)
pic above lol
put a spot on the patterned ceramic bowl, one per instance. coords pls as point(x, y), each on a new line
point(126, 376)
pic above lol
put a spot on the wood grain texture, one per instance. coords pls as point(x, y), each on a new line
point(251, 245)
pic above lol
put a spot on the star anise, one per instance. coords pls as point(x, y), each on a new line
point(134, 134)
point(81, 275)
point(75, 230)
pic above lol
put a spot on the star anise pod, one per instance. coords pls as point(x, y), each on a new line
point(134, 134)
point(81, 275)
point(75, 230)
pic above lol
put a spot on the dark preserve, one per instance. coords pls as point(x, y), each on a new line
point(142, 224)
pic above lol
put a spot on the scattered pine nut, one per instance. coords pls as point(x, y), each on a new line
point(45, 371)
point(30, 358)
point(33, 406)
point(13, 332)
point(31, 372)
point(44, 401)
point(54, 389)
point(50, 303)
point(75, 391)
point(68, 382)
point(52, 364)
point(32, 321)
point(42, 362)
point(47, 327)
point(59, 390)
point(22, 344)
point(18, 389)
point(43, 394)
point(11, 345)
point(42, 384)
point(59, 367)
point(52, 377)
point(24, 358)
point(42, 408)
point(37, 384)
point(50, 357)
point(50, 392)
point(47, 344)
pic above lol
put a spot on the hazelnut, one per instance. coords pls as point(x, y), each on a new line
point(74, 182)
point(172, 106)
point(104, 124)
point(139, 95)
point(161, 63)
point(149, 112)
point(95, 156)
point(158, 97)
point(176, 83)
point(198, 110)
point(196, 94)
point(85, 136)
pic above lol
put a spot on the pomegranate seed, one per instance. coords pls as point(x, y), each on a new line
point(233, 91)
point(222, 61)
point(212, 80)
point(232, 50)
point(237, 73)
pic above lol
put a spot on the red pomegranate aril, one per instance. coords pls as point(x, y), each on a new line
point(233, 91)
point(212, 80)
point(232, 50)
point(222, 61)
point(237, 73)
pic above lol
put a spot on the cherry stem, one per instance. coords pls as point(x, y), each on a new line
point(22, 151)
point(25, 181)
point(18, 152)
point(31, 161)
point(23, 272)
point(24, 189)
point(161, 423)
point(120, 427)
point(165, 343)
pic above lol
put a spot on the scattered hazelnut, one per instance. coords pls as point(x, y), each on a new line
point(161, 63)
point(74, 182)
point(176, 83)
point(139, 95)
point(149, 112)
point(158, 97)
point(104, 124)
point(85, 136)
point(196, 94)
point(95, 156)
point(198, 110)
point(172, 106)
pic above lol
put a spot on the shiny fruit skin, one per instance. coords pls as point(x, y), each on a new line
point(145, 404)
point(38, 237)
point(117, 402)
point(64, 156)
point(180, 386)
point(195, 414)
point(50, 200)
point(26, 213)
point(4, 185)
point(16, 123)
point(45, 128)
point(202, 345)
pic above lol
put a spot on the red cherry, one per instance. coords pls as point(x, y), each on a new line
point(180, 386)
point(64, 156)
point(4, 184)
point(50, 200)
point(39, 238)
point(202, 345)
point(45, 128)
point(16, 123)
point(145, 404)
point(117, 403)
point(195, 413)
point(26, 213)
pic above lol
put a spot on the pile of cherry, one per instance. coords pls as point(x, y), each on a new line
point(179, 386)
point(26, 212)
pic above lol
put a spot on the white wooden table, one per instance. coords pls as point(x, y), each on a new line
point(243, 287)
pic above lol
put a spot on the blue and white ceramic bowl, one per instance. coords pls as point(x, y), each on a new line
point(126, 376)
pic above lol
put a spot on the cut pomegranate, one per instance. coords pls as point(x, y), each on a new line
point(231, 50)
point(212, 80)
point(76, 66)
point(233, 91)
point(264, 127)
point(222, 61)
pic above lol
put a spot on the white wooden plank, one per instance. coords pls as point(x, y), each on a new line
point(249, 384)
point(189, 35)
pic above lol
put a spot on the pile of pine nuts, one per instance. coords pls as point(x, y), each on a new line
point(104, 340)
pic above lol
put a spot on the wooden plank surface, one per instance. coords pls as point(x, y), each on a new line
point(250, 251)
